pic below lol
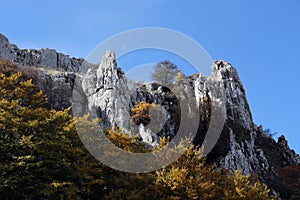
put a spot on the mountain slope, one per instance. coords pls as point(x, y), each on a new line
point(242, 144)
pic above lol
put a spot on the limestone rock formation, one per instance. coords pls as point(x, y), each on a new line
point(57, 87)
point(148, 136)
point(48, 58)
point(242, 145)
point(55, 72)
point(105, 92)
point(108, 93)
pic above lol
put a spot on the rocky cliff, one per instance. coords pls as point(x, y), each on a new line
point(48, 58)
point(105, 91)
point(54, 72)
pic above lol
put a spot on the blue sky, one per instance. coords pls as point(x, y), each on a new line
point(260, 38)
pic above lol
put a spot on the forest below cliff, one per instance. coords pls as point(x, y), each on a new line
point(42, 157)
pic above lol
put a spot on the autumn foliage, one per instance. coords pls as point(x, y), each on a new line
point(140, 113)
point(42, 157)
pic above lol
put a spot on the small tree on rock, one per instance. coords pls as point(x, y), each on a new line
point(164, 73)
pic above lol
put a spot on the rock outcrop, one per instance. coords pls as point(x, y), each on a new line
point(57, 87)
point(54, 73)
point(241, 146)
point(238, 146)
point(48, 58)
point(105, 92)
point(108, 93)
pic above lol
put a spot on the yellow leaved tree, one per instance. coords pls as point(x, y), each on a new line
point(191, 178)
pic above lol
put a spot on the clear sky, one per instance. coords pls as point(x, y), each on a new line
point(260, 38)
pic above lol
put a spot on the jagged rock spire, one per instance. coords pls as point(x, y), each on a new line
point(107, 92)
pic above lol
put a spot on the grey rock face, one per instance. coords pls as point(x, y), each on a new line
point(160, 96)
point(107, 93)
point(286, 151)
point(148, 136)
point(237, 106)
point(241, 154)
point(47, 58)
point(57, 87)
point(250, 149)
